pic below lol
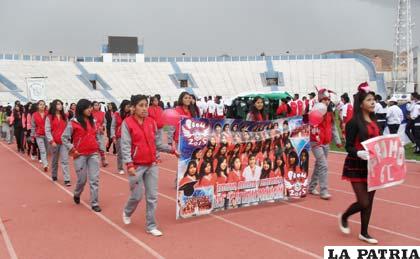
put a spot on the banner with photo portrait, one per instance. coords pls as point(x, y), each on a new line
point(229, 163)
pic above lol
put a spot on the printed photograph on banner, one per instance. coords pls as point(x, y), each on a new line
point(231, 163)
point(386, 164)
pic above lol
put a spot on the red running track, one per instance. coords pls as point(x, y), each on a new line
point(40, 220)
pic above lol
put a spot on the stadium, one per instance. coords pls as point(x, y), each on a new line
point(127, 154)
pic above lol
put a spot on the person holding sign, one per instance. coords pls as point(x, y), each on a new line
point(361, 127)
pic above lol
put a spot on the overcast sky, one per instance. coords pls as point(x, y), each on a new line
point(200, 27)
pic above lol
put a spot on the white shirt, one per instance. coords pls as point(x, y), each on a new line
point(415, 111)
point(380, 109)
point(252, 176)
point(220, 109)
point(311, 104)
point(394, 115)
point(202, 106)
point(211, 106)
point(343, 112)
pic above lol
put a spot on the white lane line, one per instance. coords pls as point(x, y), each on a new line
point(335, 216)
point(150, 250)
point(250, 230)
point(7, 241)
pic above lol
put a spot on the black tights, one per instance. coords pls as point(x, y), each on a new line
point(363, 205)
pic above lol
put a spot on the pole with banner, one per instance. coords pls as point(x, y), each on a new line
point(36, 88)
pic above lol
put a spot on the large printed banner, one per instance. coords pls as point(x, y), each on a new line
point(386, 164)
point(232, 163)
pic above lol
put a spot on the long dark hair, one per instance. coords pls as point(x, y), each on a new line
point(81, 106)
point(124, 103)
point(219, 169)
point(53, 109)
point(358, 119)
point(279, 157)
point(191, 163)
point(191, 107)
point(265, 173)
point(203, 168)
point(254, 110)
point(27, 110)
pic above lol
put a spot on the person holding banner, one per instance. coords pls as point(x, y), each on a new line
point(117, 120)
point(321, 136)
point(139, 144)
point(38, 132)
point(361, 127)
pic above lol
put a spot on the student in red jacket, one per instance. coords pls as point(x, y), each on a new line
point(117, 120)
point(361, 127)
point(85, 151)
point(55, 124)
point(100, 123)
point(139, 145)
point(283, 109)
point(155, 112)
point(38, 132)
point(321, 136)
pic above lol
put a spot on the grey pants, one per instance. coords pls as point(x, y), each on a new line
point(84, 166)
point(146, 178)
point(320, 174)
point(119, 155)
point(6, 132)
point(101, 141)
point(171, 131)
point(62, 152)
point(42, 145)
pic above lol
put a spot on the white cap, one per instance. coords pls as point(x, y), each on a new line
point(393, 99)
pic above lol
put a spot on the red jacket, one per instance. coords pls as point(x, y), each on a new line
point(118, 121)
point(156, 112)
point(322, 133)
point(99, 120)
point(39, 123)
point(84, 141)
point(183, 114)
point(57, 128)
point(143, 146)
point(293, 109)
point(299, 104)
point(282, 109)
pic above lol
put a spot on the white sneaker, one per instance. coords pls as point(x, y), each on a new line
point(126, 219)
point(369, 240)
point(314, 192)
point(344, 230)
point(155, 232)
point(326, 196)
point(121, 172)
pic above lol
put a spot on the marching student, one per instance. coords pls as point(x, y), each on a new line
point(409, 128)
point(55, 124)
point(320, 138)
point(415, 118)
point(211, 107)
point(394, 116)
point(220, 108)
point(18, 127)
point(380, 113)
point(84, 151)
point(38, 132)
point(139, 143)
point(117, 120)
point(112, 108)
point(156, 112)
point(363, 126)
point(100, 122)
